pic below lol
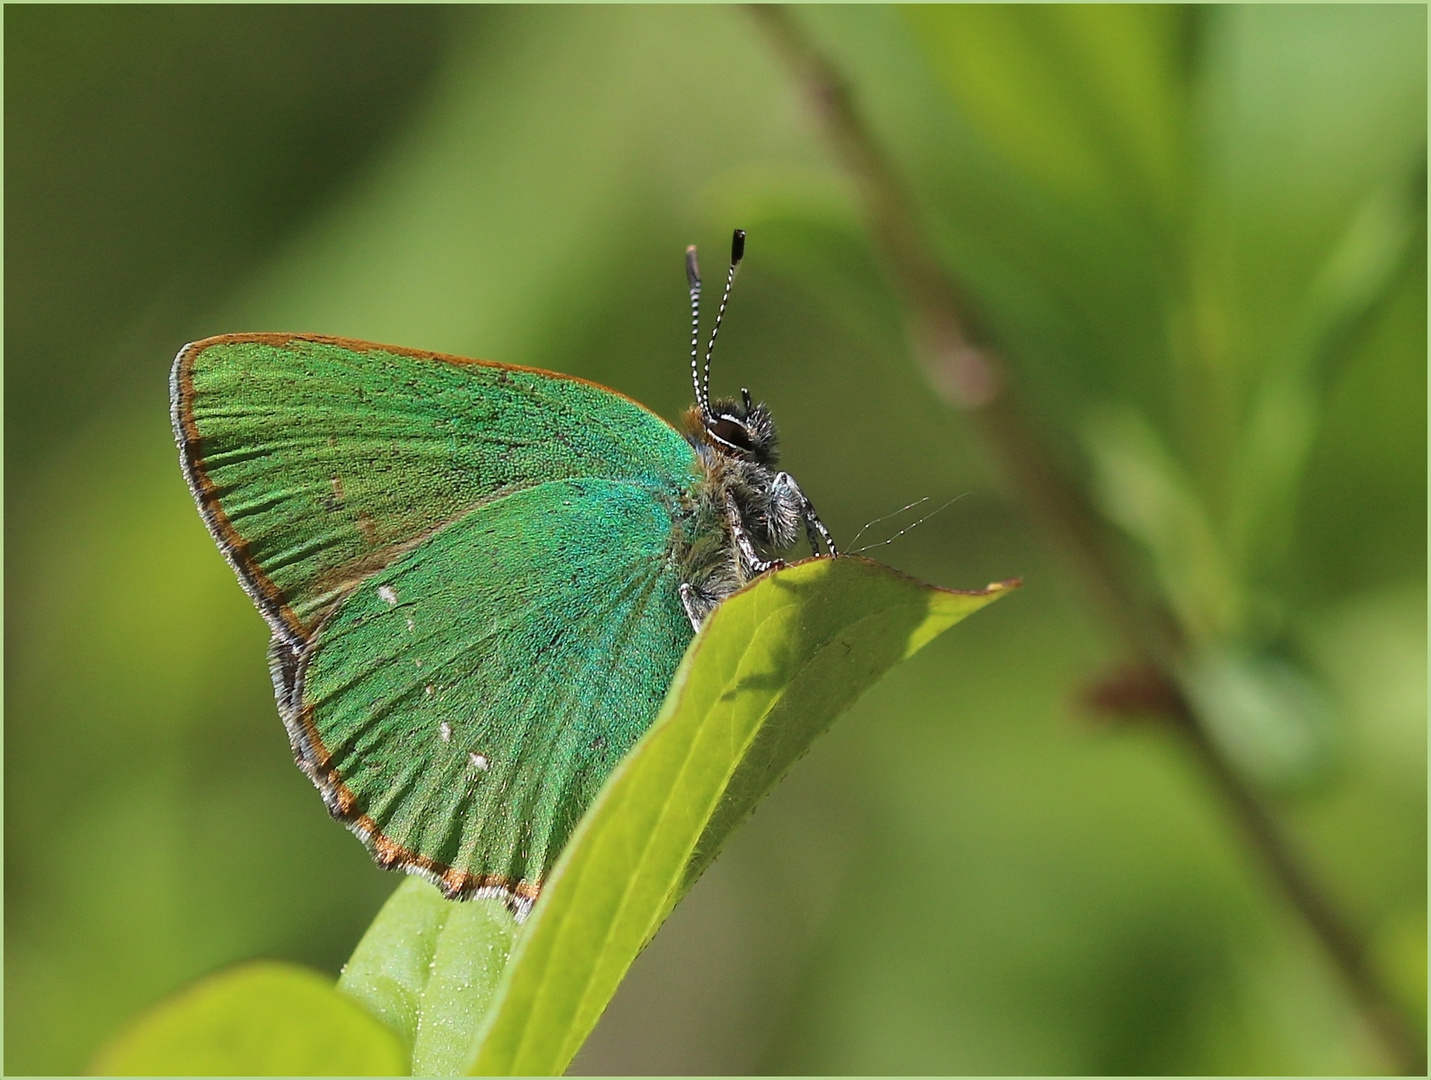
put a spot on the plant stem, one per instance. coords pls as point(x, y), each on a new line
point(1347, 948)
point(972, 377)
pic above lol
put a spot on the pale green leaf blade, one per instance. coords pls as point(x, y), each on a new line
point(428, 968)
point(1085, 101)
point(257, 1019)
point(472, 952)
point(389, 969)
point(1141, 485)
point(768, 673)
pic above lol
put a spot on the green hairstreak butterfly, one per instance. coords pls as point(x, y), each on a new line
point(480, 578)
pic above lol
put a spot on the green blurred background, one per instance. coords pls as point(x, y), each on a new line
point(1197, 234)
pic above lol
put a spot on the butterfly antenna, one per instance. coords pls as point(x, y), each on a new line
point(910, 526)
point(737, 252)
point(693, 279)
point(895, 513)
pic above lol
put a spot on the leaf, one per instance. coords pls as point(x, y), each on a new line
point(428, 968)
point(768, 673)
point(1085, 99)
point(257, 1019)
point(1357, 277)
point(1140, 485)
point(1266, 714)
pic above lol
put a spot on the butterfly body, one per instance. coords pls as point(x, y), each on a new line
point(479, 578)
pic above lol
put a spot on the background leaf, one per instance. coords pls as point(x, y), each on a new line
point(259, 1019)
point(768, 673)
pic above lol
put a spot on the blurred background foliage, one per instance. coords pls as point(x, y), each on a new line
point(1198, 237)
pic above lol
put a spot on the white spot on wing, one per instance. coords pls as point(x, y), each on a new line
point(479, 762)
point(409, 622)
point(445, 730)
point(428, 689)
point(387, 594)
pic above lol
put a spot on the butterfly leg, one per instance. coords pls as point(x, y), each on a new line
point(742, 541)
point(698, 605)
point(785, 483)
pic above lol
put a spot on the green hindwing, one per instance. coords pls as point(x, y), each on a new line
point(471, 572)
point(462, 707)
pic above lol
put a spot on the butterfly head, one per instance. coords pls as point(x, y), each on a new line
point(741, 429)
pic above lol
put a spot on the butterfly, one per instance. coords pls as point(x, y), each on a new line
point(480, 578)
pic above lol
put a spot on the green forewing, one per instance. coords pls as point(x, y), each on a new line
point(325, 458)
point(470, 572)
point(474, 695)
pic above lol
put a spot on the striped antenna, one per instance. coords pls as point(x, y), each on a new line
point(737, 252)
point(693, 279)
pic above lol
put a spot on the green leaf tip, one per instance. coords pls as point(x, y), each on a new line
point(769, 672)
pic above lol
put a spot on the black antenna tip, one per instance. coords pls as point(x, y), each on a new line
point(693, 270)
point(737, 247)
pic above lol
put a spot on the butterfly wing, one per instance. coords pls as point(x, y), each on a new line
point(471, 575)
point(460, 709)
point(317, 461)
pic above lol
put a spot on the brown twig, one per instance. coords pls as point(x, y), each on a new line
point(971, 377)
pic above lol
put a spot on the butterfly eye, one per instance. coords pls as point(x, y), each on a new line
point(731, 432)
